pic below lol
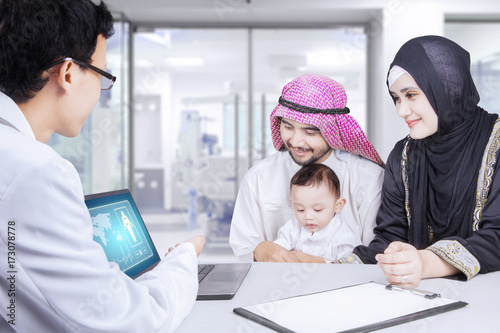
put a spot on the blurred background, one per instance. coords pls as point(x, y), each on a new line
point(198, 79)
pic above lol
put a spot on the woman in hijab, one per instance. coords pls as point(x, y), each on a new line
point(440, 211)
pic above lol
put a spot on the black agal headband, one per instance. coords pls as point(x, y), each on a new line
point(307, 109)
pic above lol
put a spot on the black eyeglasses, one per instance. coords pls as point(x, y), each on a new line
point(107, 80)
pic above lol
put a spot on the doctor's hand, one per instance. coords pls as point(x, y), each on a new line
point(402, 264)
point(271, 252)
point(197, 241)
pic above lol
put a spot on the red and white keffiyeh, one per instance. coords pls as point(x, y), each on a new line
point(320, 101)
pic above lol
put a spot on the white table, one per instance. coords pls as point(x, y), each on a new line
point(272, 281)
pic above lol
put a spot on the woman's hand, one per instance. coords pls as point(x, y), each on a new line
point(402, 264)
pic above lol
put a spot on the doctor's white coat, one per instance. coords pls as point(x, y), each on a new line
point(53, 276)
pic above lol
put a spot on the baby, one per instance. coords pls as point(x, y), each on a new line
point(317, 229)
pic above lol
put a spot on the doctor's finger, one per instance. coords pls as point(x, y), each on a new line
point(169, 249)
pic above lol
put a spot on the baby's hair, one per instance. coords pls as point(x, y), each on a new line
point(316, 174)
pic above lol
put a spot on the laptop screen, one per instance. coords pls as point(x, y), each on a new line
point(120, 230)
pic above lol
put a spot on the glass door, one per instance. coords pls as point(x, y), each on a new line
point(195, 132)
point(485, 57)
point(190, 85)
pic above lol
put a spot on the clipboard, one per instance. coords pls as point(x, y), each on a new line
point(360, 308)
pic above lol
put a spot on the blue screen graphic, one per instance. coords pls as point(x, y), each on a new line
point(119, 229)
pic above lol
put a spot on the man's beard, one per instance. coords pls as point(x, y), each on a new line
point(314, 158)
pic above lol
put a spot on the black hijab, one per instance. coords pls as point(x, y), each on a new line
point(443, 168)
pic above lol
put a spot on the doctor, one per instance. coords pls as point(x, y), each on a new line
point(53, 276)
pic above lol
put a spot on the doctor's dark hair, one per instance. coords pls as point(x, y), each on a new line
point(316, 174)
point(36, 33)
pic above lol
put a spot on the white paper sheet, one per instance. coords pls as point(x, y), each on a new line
point(344, 308)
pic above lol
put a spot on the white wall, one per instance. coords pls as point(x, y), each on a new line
point(402, 21)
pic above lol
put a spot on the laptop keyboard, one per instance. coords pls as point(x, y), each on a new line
point(203, 270)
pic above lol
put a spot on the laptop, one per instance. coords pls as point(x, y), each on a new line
point(121, 231)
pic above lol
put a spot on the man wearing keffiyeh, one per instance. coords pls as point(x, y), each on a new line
point(310, 124)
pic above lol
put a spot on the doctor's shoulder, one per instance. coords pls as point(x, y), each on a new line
point(27, 155)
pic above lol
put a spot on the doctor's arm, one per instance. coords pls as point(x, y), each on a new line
point(197, 241)
point(72, 272)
